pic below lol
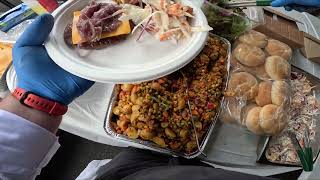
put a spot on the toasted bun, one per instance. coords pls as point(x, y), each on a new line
point(264, 95)
point(249, 55)
point(231, 111)
point(277, 48)
point(271, 119)
point(277, 68)
point(254, 38)
point(253, 121)
point(279, 92)
point(244, 85)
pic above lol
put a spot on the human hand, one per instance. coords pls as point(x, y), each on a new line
point(37, 73)
point(311, 3)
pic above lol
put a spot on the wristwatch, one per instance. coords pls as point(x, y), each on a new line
point(37, 102)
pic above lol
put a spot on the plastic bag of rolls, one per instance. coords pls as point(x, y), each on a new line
point(258, 93)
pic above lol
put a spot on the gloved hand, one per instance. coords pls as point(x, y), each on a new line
point(36, 72)
point(311, 3)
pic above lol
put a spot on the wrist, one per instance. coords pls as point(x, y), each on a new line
point(45, 92)
point(11, 104)
point(33, 100)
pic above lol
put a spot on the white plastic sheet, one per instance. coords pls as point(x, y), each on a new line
point(235, 149)
point(229, 148)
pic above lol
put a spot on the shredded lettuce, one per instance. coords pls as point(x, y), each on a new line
point(165, 19)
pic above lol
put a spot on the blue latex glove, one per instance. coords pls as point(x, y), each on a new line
point(36, 72)
point(311, 3)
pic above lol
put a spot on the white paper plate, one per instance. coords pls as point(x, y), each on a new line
point(11, 79)
point(128, 61)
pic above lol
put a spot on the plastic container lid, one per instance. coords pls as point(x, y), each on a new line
point(126, 62)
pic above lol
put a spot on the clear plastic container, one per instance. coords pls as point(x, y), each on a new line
point(259, 90)
point(227, 23)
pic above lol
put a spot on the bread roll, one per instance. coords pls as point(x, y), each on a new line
point(281, 121)
point(254, 38)
point(244, 112)
point(264, 94)
point(277, 48)
point(244, 85)
point(231, 111)
point(271, 119)
point(281, 124)
point(253, 121)
point(277, 68)
point(279, 93)
point(260, 71)
point(249, 55)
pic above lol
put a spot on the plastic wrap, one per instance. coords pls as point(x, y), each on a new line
point(15, 16)
point(13, 34)
point(304, 118)
point(256, 14)
point(229, 24)
point(258, 94)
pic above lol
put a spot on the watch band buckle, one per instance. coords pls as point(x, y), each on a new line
point(24, 97)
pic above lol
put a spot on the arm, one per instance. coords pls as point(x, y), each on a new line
point(26, 145)
point(50, 123)
point(27, 135)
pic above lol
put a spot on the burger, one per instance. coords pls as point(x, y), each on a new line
point(97, 26)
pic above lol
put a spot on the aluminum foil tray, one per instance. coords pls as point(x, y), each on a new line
point(152, 146)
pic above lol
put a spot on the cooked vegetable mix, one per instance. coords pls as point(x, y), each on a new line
point(157, 111)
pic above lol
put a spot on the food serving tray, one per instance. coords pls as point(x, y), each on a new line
point(316, 143)
point(149, 145)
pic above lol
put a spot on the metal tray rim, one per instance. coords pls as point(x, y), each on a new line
point(316, 154)
point(151, 145)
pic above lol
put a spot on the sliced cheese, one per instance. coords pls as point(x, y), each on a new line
point(124, 28)
point(76, 39)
